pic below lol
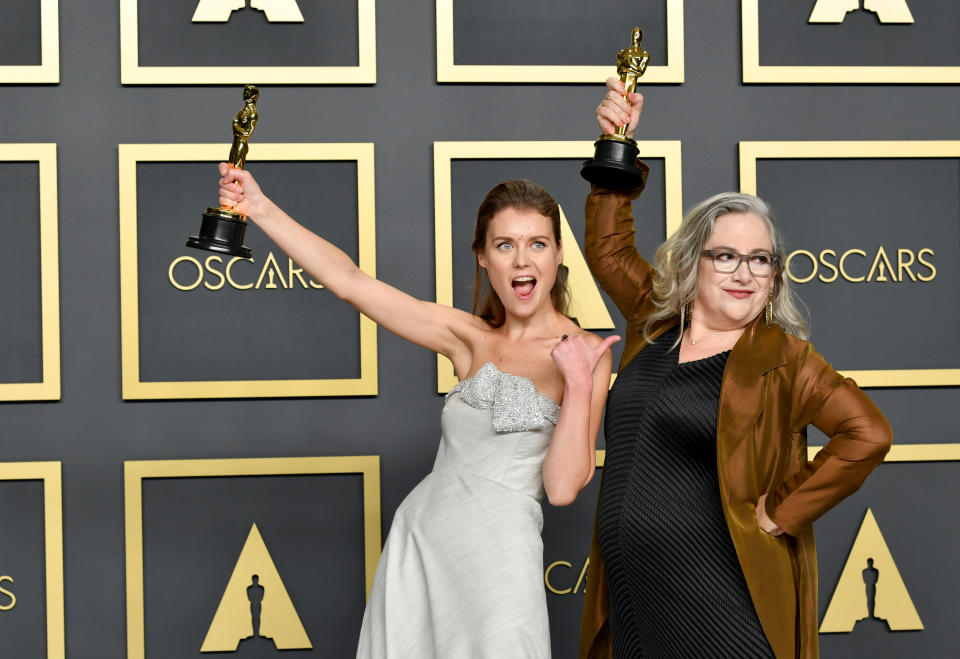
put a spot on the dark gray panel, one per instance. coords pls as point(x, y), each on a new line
point(865, 204)
point(21, 342)
point(23, 628)
point(230, 334)
point(327, 36)
point(20, 33)
point(195, 529)
point(567, 534)
point(924, 552)
point(786, 39)
point(92, 430)
point(516, 32)
point(472, 179)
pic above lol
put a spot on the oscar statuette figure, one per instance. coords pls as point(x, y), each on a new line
point(222, 229)
point(614, 164)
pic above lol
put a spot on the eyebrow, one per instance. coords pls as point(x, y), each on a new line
point(540, 238)
point(731, 249)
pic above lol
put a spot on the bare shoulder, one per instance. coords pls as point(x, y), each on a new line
point(474, 336)
point(469, 327)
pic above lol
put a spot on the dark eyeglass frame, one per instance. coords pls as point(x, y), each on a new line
point(720, 267)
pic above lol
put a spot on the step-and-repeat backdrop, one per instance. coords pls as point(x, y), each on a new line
point(187, 437)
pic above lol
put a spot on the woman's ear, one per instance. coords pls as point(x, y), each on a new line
point(482, 260)
point(559, 253)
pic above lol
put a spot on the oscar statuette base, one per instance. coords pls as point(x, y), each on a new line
point(221, 231)
point(614, 164)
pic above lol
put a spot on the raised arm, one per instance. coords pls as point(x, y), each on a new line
point(859, 439)
point(609, 243)
point(430, 325)
point(585, 362)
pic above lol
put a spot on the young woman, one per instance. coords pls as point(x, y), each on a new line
point(506, 439)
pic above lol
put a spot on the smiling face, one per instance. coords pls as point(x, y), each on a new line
point(521, 255)
point(732, 300)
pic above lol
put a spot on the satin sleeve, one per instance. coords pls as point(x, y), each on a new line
point(860, 437)
point(610, 247)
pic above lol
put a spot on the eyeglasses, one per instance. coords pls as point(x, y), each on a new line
point(761, 264)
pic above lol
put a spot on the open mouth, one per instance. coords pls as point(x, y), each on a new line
point(523, 286)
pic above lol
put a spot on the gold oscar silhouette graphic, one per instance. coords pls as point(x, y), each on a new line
point(870, 591)
point(587, 304)
point(835, 11)
point(219, 11)
point(255, 607)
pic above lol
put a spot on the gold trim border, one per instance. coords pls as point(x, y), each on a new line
point(135, 471)
point(133, 388)
point(448, 71)
point(48, 71)
point(50, 474)
point(751, 152)
point(754, 72)
point(49, 387)
point(444, 153)
point(365, 73)
point(898, 453)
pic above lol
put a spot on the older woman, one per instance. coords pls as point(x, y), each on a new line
point(704, 545)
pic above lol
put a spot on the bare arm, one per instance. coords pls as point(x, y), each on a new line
point(585, 363)
point(434, 326)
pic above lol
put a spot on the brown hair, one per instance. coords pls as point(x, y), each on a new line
point(521, 195)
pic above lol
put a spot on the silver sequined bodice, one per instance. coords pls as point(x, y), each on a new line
point(497, 426)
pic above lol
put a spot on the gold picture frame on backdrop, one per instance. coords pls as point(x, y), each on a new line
point(755, 72)
point(444, 153)
point(364, 73)
point(48, 71)
point(751, 152)
point(45, 155)
point(50, 474)
point(135, 389)
point(449, 71)
point(136, 471)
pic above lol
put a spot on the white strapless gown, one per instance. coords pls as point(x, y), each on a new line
point(461, 575)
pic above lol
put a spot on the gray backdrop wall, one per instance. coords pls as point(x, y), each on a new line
point(313, 525)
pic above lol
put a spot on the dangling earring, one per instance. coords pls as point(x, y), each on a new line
point(768, 312)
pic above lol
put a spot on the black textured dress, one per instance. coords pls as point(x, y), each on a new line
point(676, 586)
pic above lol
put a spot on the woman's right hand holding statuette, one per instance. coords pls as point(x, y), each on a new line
point(240, 191)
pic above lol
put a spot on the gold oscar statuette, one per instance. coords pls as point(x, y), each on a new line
point(614, 163)
point(222, 228)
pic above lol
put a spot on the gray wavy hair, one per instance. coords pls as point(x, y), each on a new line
point(677, 264)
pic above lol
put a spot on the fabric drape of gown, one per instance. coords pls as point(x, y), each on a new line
point(461, 574)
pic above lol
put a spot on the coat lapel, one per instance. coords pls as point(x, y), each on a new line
point(759, 351)
point(742, 468)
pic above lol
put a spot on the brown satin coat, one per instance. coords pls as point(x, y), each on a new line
point(774, 386)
